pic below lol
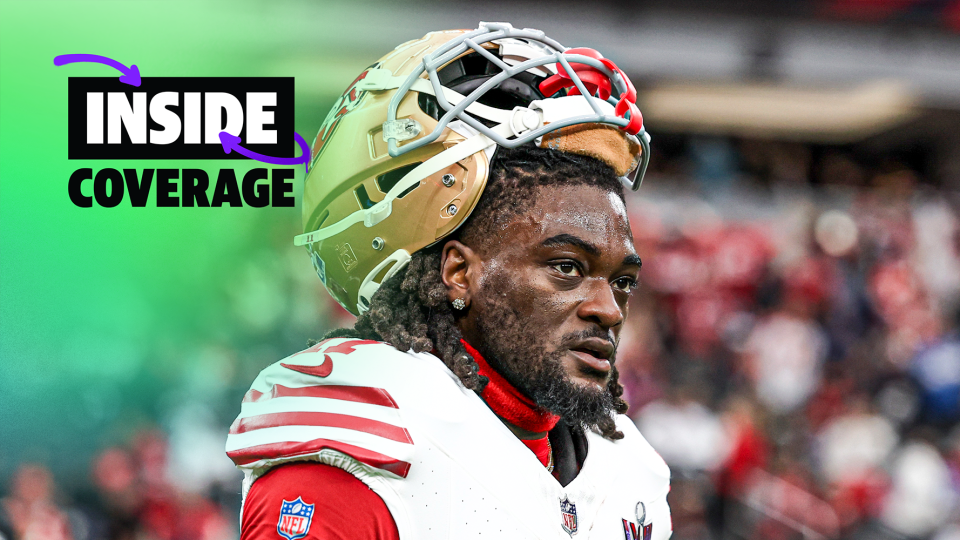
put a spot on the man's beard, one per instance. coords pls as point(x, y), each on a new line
point(515, 348)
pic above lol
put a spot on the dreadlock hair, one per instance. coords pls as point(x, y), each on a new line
point(411, 310)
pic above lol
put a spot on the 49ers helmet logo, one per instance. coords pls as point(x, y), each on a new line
point(347, 102)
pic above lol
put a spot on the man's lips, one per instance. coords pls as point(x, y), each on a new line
point(595, 353)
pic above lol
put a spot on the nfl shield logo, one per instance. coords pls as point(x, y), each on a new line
point(295, 518)
point(568, 511)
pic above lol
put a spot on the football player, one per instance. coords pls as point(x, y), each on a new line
point(466, 200)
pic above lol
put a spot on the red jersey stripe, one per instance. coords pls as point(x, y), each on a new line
point(243, 456)
point(251, 396)
point(358, 394)
point(301, 418)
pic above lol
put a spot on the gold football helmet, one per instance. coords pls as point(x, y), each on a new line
point(402, 158)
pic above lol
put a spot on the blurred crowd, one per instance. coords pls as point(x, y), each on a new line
point(793, 353)
point(130, 496)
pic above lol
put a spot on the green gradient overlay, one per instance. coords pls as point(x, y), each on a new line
point(109, 315)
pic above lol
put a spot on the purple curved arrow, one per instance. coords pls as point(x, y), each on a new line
point(232, 142)
point(131, 75)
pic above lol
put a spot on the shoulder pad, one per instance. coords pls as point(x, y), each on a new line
point(306, 403)
point(655, 470)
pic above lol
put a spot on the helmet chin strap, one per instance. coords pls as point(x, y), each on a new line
point(399, 259)
point(381, 210)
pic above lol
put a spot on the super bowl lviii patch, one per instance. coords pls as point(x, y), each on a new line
point(295, 518)
point(632, 532)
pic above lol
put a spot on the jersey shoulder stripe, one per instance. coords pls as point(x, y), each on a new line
point(357, 394)
point(292, 450)
point(299, 406)
point(303, 418)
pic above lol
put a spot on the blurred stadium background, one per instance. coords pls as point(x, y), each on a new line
point(793, 351)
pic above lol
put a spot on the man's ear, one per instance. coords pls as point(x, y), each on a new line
point(459, 270)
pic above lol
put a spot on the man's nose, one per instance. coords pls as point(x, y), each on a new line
point(601, 306)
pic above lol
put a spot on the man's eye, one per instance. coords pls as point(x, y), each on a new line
point(567, 269)
point(625, 284)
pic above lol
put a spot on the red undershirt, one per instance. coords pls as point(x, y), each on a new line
point(517, 409)
point(345, 507)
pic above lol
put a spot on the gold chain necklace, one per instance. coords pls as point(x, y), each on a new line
point(550, 451)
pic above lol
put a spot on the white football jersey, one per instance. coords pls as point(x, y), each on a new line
point(443, 463)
